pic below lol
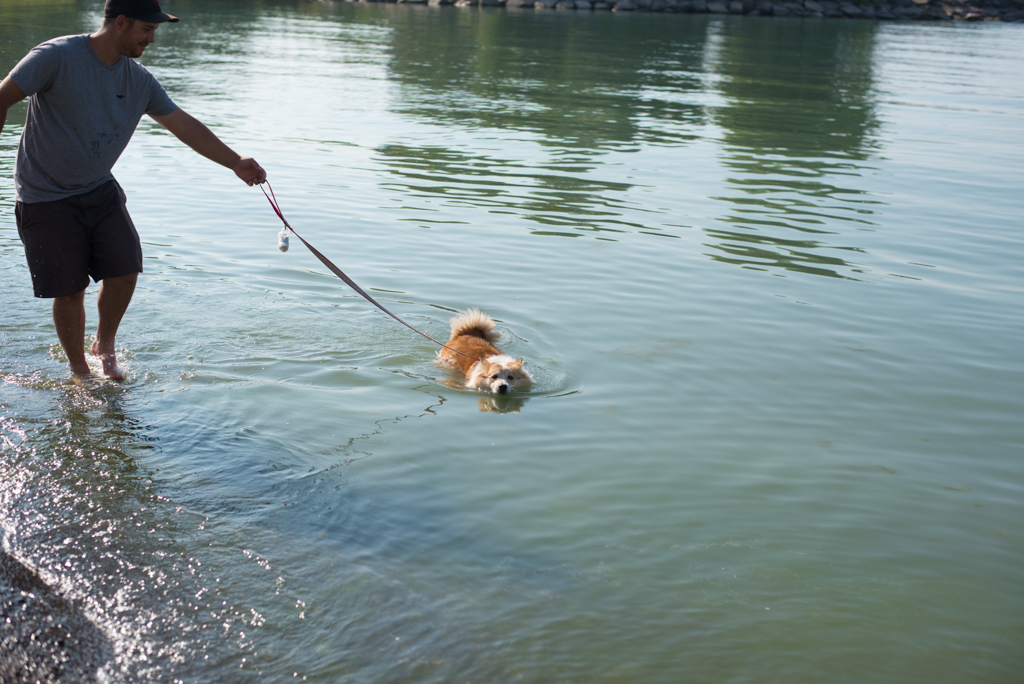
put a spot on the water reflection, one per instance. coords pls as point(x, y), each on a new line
point(576, 91)
point(497, 404)
point(546, 194)
point(799, 118)
point(794, 122)
point(588, 85)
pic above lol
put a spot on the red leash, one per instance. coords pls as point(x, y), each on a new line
point(348, 281)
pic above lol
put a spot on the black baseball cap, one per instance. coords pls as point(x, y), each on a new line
point(145, 10)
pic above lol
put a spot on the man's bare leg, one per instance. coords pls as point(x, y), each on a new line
point(69, 320)
point(112, 301)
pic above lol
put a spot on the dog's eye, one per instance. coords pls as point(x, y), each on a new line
point(494, 377)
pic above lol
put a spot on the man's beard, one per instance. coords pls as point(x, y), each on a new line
point(131, 47)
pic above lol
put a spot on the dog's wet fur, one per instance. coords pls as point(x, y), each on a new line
point(484, 366)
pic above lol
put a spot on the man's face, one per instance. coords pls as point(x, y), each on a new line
point(136, 37)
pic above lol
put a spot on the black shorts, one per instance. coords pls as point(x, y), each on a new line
point(68, 240)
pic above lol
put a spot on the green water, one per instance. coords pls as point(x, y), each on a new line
point(767, 274)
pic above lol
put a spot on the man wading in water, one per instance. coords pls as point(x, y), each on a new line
point(88, 96)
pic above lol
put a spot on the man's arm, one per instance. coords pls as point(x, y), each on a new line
point(196, 135)
point(10, 94)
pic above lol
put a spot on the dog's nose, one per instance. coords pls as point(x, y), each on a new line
point(502, 389)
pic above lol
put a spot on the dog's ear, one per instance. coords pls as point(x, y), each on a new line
point(518, 363)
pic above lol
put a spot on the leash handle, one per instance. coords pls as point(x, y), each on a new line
point(341, 274)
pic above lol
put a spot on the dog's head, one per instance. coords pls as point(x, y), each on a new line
point(499, 374)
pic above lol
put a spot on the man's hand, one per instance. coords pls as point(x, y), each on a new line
point(249, 171)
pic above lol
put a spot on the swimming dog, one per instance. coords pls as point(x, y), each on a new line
point(482, 364)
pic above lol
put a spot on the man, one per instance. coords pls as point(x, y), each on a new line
point(88, 94)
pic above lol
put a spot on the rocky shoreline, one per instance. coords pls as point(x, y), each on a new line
point(892, 10)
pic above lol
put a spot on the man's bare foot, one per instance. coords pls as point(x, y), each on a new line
point(81, 369)
point(109, 361)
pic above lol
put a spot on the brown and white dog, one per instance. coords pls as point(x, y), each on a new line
point(482, 364)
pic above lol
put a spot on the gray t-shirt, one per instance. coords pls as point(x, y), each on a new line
point(81, 115)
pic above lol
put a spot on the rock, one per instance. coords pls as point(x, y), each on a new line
point(735, 7)
point(813, 6)
point(851, 10)
point(565, 4)
point(543, 4)
point(624, 6)
point(716, 7)
point(519, 3)
point(908, 13)
point(699, 6)
point(602, 6)
point(583, 4)
point(830, 8)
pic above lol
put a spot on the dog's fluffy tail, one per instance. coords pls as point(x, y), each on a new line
point(475, 323)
